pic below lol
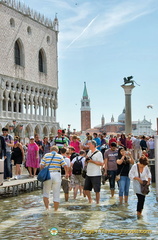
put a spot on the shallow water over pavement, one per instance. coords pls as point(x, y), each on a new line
point(24, 217)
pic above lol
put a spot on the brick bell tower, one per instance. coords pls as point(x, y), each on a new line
point(85, 111)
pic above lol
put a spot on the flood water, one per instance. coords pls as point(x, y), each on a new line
point(24, 217)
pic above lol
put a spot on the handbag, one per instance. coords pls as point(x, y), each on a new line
point(44, 174)
point(84, 170)
point(118, 176)
point(143, 186)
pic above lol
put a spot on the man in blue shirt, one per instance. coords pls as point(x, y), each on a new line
point(98, 140)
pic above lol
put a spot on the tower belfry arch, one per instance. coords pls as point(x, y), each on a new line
point(85, 110)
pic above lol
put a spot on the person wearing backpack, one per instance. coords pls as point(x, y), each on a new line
point(93, 178)
point(77, 165)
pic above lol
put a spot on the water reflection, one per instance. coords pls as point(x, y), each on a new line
point(23, 217)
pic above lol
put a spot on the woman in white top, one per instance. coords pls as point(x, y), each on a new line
point(144, 175)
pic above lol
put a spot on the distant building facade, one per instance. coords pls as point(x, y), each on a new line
point(138, 127)
point(85, 111)
point(28, 70)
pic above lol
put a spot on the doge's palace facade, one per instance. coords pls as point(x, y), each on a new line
point(28, 70)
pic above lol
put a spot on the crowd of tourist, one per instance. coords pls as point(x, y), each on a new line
point(81, 166)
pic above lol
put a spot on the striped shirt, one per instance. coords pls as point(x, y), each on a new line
point(60, 142)
point(56, 163)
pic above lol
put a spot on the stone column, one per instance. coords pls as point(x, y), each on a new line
point(22, 105)
point(27, 105)
point(48, 105)
point(31, 107)
point(44, 109)
point(40, 106)
point(6, 99)
point(55, 107)
point(12, 105)
point(17, 105)
point(35, 106)
point(1, 102)
point(128, 115)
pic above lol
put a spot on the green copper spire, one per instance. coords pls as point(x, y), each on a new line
point(85, 94)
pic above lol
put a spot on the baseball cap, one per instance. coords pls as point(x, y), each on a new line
point(59, 131)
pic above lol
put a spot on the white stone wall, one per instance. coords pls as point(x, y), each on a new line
point(29, 96)
point(32, 43)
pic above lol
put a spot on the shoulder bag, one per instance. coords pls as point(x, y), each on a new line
point(84, 170)
point(44, 174)
point(119, 175)
point(143, 186)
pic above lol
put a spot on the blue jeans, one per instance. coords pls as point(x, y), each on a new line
point(112, 174)
point(7, 166)
point(124, 184)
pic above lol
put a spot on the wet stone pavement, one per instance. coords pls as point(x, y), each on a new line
point(24, 217)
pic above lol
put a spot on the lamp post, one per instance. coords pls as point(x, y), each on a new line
point(68, 130)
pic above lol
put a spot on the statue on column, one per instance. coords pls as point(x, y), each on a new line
point(128, 80)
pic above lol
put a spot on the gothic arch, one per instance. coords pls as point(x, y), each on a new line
point(29, 131)
point(45, 131)
point(19, 53)
point(53, 130)
point(38, 130)
point(42, 61)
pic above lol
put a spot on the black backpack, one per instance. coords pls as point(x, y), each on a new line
point(77, 166)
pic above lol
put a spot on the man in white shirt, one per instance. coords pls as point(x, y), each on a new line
point(93, 178)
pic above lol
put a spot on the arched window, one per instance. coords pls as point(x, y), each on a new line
point(17, 53)
point(42, 61)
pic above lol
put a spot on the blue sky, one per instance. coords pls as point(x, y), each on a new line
point(100, 43)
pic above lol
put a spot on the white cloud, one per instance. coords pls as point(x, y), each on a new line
point(79, 28)
point(84, 30)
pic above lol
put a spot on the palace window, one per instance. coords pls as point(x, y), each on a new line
point(19, 53)
point(42, 61)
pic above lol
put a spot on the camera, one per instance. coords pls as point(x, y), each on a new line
point(87, 159)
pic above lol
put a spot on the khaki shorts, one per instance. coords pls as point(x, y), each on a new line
point(78, 180)
point(65, 184)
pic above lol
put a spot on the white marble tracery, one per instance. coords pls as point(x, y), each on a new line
point(19, 100)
